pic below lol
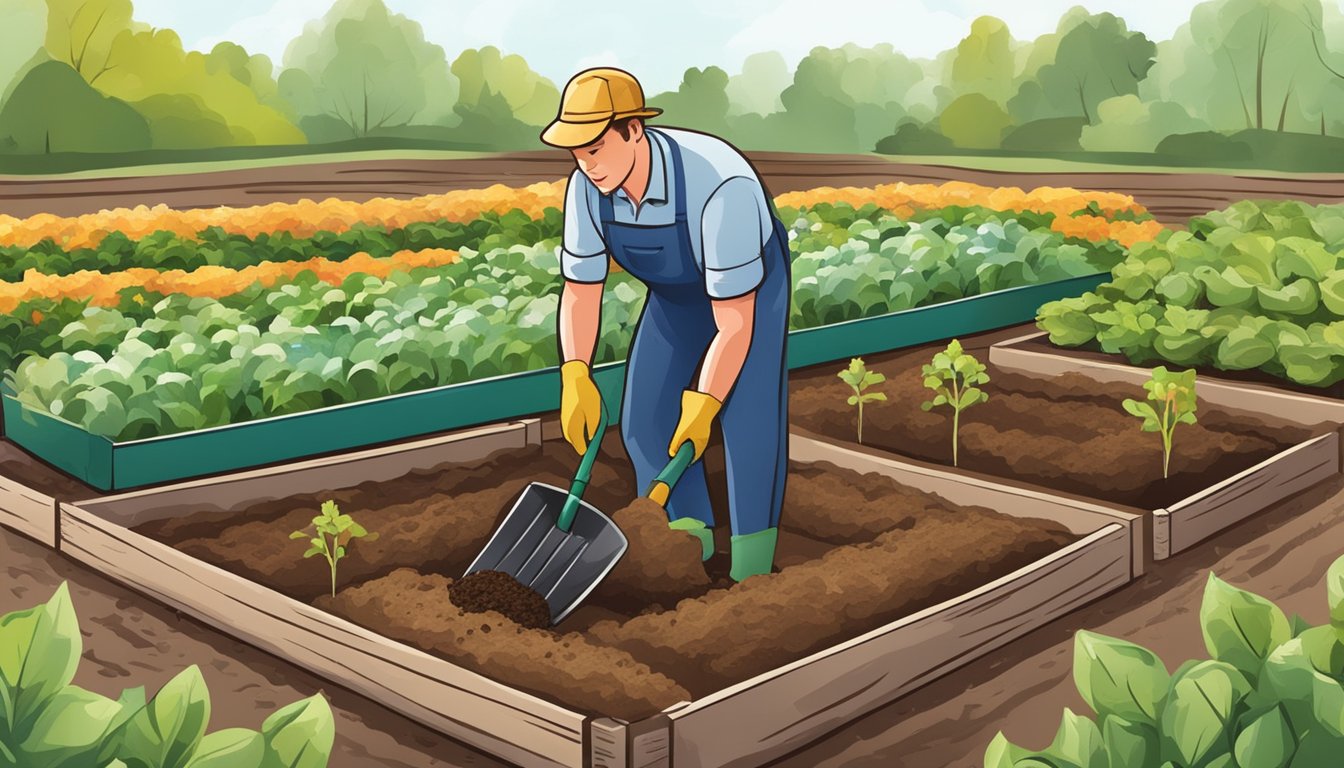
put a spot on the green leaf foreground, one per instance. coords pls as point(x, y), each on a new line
point(1271, 696)
point(45, 722)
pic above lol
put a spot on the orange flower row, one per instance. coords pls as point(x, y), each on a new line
point(307, 217)
point(209, 282)
point(302, 219)
point(1097, 229)
point(1061, 201)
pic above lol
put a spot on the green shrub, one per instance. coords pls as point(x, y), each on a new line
point(45, 722)
point(1271, 695)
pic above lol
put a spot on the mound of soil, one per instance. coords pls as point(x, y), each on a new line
point(732, 634)
point(661, 565)
point(413, 607)
point(1070, 433)
point(841, 506)
point(498, 591)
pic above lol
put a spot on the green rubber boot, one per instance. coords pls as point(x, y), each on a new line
point(698, 529)
point(754, 553)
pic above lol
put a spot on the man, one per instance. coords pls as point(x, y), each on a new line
point(687, 215)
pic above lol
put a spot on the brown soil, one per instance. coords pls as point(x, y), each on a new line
point(1070, 433)
point(764, 622)
point(414, 608)
point(1171, 197)
point(498, 591)
point(18, 464)
point(435, 521)
point(904, 550)
point(661, 565)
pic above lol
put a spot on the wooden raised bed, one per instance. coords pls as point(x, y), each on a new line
point(1183, 524)
point(30, 492)
point(747, 724)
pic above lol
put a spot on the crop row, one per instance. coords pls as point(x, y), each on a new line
point(1257, 286)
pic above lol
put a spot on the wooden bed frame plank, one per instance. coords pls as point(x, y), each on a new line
point(1189, 521)
point(1194, 519)
point(239, 489)
point(27, 511)
point(1302, 409)
point(516, 726)
point(808, 698)
point(776, 713)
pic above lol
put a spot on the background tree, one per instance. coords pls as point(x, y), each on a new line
point(81, 32)
point(1097, 58)
point(54, 110)
point(21, 37)
point(974, 121)
point(700, 102)
point(1127, 124)
point(362, 70)
point(502, 99)
point(187, 104)
point(757, 87)
point(984, 61)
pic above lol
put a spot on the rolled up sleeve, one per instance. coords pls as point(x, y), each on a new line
point(583, 253)
point(734, 238)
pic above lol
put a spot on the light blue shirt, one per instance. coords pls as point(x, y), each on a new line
point(726, 210)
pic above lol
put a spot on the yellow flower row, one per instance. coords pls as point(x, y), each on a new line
point(209, 282)
point(302, 219)
point(307, 217)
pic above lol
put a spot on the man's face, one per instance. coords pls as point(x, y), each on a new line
point(608, 161)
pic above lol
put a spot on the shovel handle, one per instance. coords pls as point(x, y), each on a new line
point(581, 477)
point(662, 485)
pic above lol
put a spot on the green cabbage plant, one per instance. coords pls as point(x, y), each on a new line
point(1270, 695)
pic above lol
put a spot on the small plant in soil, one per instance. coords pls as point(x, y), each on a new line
point(859, 379)
point(955, 378)
point(332, 533)
point(1171, 401)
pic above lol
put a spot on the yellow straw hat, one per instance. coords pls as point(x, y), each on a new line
point(593, 100)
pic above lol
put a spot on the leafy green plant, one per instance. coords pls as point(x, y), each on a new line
point(955, 378)
point(1171, 401)
point(45, 722)
point(859, 379)
point(331, 533)
point(1271, 695)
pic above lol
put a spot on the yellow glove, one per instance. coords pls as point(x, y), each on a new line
point(580, 404)
point(697, 417)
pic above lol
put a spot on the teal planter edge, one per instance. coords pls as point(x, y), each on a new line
point(110, 466)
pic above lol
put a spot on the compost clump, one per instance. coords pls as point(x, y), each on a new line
point(498, 591)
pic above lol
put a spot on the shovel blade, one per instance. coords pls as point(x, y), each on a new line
point(562, 566)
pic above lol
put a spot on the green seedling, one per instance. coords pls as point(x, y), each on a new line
point(1171, 401)
point(334, 532)
point(955, 376)
point(859, 379)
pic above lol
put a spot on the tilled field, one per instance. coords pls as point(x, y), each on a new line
point(1172, 198)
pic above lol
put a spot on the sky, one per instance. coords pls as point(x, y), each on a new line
point(656, 42)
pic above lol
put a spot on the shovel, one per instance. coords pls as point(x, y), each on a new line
point(558, 544)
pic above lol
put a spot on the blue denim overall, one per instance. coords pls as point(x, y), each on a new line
point(671, 338)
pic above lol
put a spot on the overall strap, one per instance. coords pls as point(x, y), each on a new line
point(606, 214)
point(678, 175)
